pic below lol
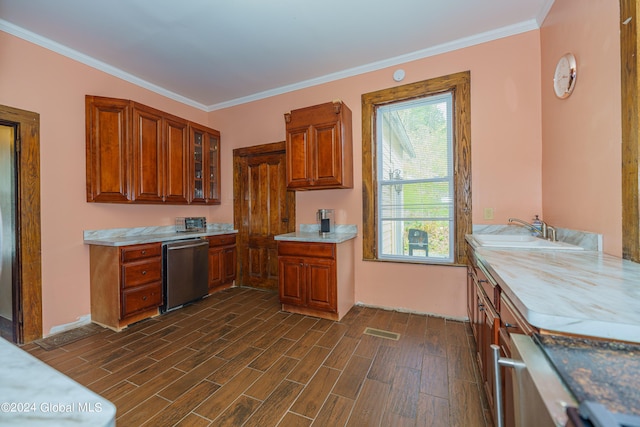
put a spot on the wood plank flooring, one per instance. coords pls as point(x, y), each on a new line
point(235, 359)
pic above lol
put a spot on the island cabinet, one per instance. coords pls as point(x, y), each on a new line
point(316, 279)
point(137, 154)
point(222, 261)
point(126, 283)
point(319, 147)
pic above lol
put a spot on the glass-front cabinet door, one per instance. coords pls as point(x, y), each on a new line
point(205, 179)
point(213, 175)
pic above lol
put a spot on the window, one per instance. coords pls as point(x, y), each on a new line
point(416, 171)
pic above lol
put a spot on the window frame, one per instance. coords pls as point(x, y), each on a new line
point(459, 84)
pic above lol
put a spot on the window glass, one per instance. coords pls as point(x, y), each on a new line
point(415, 179)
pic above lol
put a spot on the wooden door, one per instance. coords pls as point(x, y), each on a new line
point(263, 208)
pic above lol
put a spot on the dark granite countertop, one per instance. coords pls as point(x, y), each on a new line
point(607, 372)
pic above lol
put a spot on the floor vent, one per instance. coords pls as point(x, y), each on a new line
point(382, 334)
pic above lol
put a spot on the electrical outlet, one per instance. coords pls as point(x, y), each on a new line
point(488, 213)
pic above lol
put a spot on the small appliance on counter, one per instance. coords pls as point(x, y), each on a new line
point(191, 224)
point(325, 221)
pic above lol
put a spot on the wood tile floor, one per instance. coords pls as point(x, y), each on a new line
point(235, 359)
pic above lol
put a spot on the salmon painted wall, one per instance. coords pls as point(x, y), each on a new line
point(35, 79)
point(506, 158)
point(581, 135)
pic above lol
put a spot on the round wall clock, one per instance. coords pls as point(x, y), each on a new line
point(564, 78)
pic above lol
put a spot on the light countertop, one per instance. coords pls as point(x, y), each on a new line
point(584, 293)
point(310, 234)
point(34, 394)
point(140, 235)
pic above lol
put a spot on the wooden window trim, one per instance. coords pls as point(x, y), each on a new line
point(459, 84)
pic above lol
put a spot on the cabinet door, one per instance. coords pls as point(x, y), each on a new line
point(215, 267)
point(507, 380)
point(327, 159)
point(205, 166)
point(176, 165)
point(321, 284)
point(229, 264)
point(299, 155)
point(472, 301)
point(488, 333)
point(213, 168)
point(107, 149)
point(148, 157)
point(292, 280)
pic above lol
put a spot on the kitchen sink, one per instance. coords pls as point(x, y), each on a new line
point(521, 241)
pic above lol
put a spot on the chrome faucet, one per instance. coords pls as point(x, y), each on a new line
point(546, 231)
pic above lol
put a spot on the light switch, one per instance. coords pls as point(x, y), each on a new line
point(488, 213)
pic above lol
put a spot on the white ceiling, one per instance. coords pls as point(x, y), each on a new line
point(213, 54)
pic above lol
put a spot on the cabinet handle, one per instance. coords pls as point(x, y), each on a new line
point(509, 325)
point(144, 272)
point(497, 362)
point(483, 281)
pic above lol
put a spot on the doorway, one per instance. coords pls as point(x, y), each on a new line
point(7, 229)
point(263, 208)
point(20, 274)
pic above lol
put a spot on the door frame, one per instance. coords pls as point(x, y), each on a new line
point(27, 286)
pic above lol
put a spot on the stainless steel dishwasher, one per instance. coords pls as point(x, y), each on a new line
point(185, 272)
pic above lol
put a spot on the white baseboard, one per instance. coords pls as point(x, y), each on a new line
point(83, 320)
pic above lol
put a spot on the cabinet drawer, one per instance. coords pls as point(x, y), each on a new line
point(489, 286)
point(511, 319)
point(141, 298)
point(139, 273)
point(321, 250)
point(223, 240)
point(133, 253)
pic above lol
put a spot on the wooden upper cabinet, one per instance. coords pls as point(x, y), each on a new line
point(138, 154)
point(205, 170)
point(319, 147)
point(108, 149)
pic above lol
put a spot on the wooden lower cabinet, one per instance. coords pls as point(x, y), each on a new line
point(222, 261)
point(493, 319)
point(316, 278)
point(126, 283)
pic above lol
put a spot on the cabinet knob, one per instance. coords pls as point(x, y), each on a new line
point(144, 272)
point(144, 298)
point(144, 252)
